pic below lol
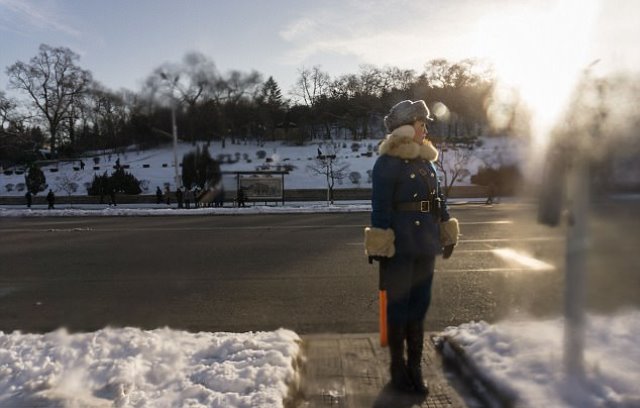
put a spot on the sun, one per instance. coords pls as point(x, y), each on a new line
point(539, 51)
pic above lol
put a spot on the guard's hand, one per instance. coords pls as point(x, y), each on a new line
point(448, 250)
point(376, 258)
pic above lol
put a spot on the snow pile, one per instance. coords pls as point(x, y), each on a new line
point(157, 368)
point(143, 212)
point(525, 358)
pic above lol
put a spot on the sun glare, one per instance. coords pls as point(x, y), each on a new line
point(539, 53)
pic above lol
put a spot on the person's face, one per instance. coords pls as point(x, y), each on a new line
point(420, 129)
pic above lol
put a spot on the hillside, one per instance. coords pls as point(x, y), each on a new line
point(155, 168)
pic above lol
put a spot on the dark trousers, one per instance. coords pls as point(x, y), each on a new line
point(408, 283)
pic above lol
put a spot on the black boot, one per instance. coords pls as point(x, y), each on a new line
point(415, 339)
point(399, 377)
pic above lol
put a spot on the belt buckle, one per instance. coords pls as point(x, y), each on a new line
point(425, 206)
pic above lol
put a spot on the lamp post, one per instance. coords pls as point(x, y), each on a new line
point(567, 175)
point(174, 127)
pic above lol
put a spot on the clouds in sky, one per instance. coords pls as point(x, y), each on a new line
point(409, 33)
point(122, 41)
point(23, 15)
point(403, 33)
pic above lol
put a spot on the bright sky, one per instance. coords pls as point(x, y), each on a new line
point(122, 41)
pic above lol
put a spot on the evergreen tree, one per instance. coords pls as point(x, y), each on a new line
point(189, 168)
point(122, 181)
point(199, 168)
point(35, 179)
point(271, 94)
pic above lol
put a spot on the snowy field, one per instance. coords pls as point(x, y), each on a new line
point(159, 368)
point(155, 168)
point(525, 359)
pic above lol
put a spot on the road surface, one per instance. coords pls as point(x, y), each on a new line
point(305, 272)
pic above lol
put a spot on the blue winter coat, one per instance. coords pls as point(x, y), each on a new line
point(404, 173)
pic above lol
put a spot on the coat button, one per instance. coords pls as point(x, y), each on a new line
point(433, 175)
point(412, 175)
point(417, 223)
point(415, 195)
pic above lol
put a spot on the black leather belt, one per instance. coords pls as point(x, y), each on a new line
point(419, 206)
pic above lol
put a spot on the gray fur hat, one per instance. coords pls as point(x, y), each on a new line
point(405, 113)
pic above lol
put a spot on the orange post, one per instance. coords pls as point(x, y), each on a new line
point(383, 317)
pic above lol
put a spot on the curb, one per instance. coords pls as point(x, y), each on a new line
point(472, 376)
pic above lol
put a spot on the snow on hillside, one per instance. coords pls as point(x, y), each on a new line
point(154, 167)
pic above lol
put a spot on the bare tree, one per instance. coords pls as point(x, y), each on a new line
point(7, 110)
point(453, 161)
point(192, 80)
point(328, 164)
point(53, 81)
point(312, 85)
point(69, 182)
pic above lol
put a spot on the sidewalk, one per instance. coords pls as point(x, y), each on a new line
point(351, 370)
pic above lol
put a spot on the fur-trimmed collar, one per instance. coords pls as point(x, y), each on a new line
point(400, 144)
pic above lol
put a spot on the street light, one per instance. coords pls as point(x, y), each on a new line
point(567, 175)
point(174, 127)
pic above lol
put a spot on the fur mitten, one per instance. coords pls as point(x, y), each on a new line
point(379, 242)
point(449, 231)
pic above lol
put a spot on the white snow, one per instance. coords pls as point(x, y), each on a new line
point(93, 210)
point(155, 168)
point(525, 358)
point(137, 368)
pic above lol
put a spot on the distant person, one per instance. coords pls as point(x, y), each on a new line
point(218, 200)
point(112, 196)
point(167, 194)
point(51, 199)
point(196, 197)
point(188, 198)
point(81, 165)
point(158, 195)
point(241, 197)
point(29, 198)
point(118, 163)
point(179, 197)
point(491, 193)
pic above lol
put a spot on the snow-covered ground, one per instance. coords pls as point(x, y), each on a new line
point(96, 210)
point(159, 368)
point(525, 360)
point(155, 168)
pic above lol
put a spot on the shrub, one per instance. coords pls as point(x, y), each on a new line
point(35, 180)
point(99, 185)
point(120, 181)
point(355, 177)
point(200, 169)
point(125, 182)
point(504, 179)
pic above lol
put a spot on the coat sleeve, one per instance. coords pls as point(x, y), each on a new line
point(383, 187)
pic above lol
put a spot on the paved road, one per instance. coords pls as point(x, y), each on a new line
point(306, 272)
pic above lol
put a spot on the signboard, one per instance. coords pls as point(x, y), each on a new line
point(262, 188)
